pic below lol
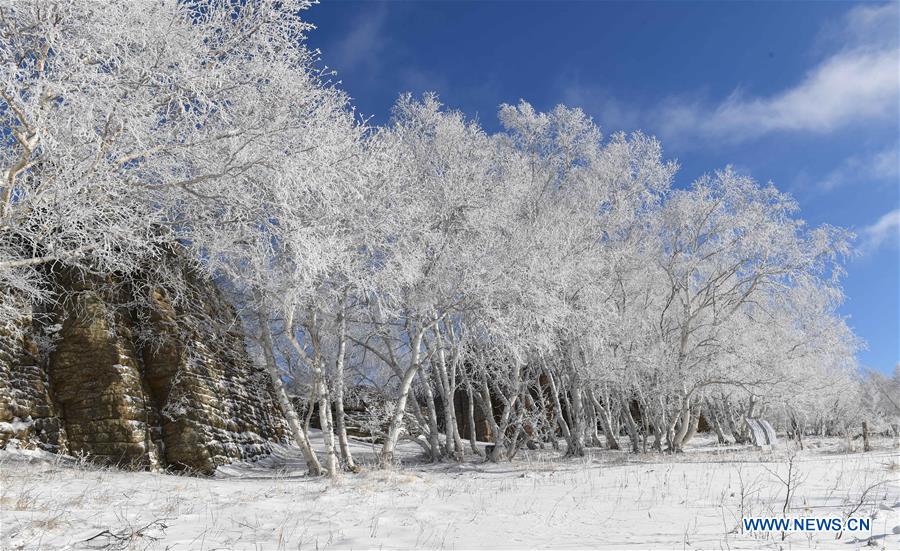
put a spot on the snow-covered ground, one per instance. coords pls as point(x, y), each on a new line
point(608, 500)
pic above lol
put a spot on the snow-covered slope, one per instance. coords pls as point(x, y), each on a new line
point(608, 500)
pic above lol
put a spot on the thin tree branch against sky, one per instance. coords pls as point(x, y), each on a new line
point(803, 94)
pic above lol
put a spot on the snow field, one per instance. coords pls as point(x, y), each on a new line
point(607, 500)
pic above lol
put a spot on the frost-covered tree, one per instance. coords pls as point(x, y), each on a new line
point(558, 280)
point(184, 122)
point(115, 133)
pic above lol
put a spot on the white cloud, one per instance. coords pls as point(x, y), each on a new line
point(610, 113)
point(849, 87)
point(872, 25)
point(858, 83)
point(364, 49)
point(885, 231)
point(880, 166)
point(363, 45)
point(418, 80)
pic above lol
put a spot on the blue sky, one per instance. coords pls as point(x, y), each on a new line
point(803, 94)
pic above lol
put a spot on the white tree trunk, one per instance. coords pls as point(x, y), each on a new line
point(331, 460)
point(451, 430)
point(713, 416)
point(315, 364)
point(681, 425)
point(604, 414)
point(293, 420)
point(630, 426)
point(557, 407)
point(390, 442)
point(434, 437)
point(576, 445)
point(692, 425)
point(341, 424)
point(473, 431)
point(499, 429)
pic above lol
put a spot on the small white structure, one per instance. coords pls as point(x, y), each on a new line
point(761, 432)
point(771, 437)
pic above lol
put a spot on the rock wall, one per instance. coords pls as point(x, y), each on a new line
point(96, 380)
point(190, 372)
point(168, 386)
point(26, 412)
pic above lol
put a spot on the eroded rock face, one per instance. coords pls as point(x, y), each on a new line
point(27, 413)
point(169, 387)
point(201, 360)
point(97, 381)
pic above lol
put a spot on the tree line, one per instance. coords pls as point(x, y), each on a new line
point(560, 280)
